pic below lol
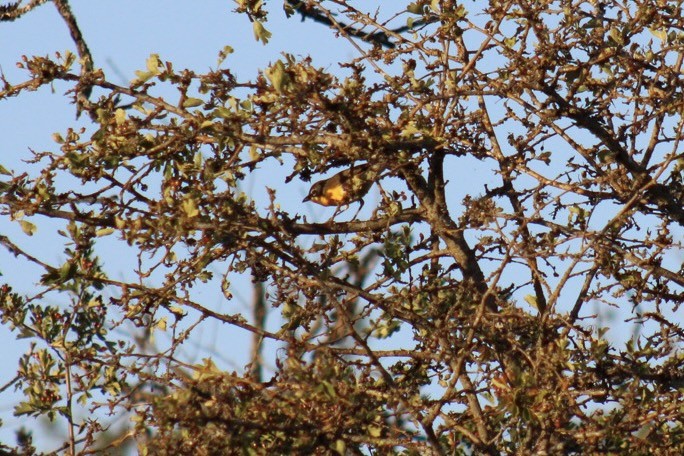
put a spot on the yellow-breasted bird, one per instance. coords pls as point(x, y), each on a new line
point(343, 188)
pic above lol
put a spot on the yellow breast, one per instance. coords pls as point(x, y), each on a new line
point(336, 194)
point(331, 197)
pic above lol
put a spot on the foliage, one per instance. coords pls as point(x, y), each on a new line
point(462, 315)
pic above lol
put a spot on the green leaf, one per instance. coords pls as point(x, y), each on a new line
point(104, 232)
point(645, 430)
point(340, 447)
point(24, 408)
point(178, 312)
point(28, 227)
point(67, 272)
point(511, 41)
point(253, 152)
point(278, 76)
point(260, 32)
point(222, 112)
point(329, 389)
point(410, 130)
point(531, 300)
point(143, 76)
point(161, 324)
point(374, 431)
point(616, 36)
point(153, 63)
point(225, 52)
point(414, 8)
point(660, 34)
point(120, 116)
point(190, 208)
point(606, 156)
point(192, 102)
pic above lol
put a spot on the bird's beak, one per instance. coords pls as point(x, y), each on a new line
point(307, 198)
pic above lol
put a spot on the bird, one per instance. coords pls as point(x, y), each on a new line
point(344, 188)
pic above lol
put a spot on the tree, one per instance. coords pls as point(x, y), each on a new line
point(462, 315)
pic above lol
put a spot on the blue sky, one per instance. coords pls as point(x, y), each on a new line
point(121, 35)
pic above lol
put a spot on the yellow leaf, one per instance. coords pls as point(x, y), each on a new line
point(374, 431)
point(120, 116)
point(161, 324)
point(253, 152)
point(278, 76)
point(190, 208)
point(28, 227)
point(192, 102)
point(260, 32)
point(104, 232)
point(414, 8)
point(660, 34)
point(340, 447)
point(223, 54)
point(142, 76)
point(177, 311)
point(153, 63)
